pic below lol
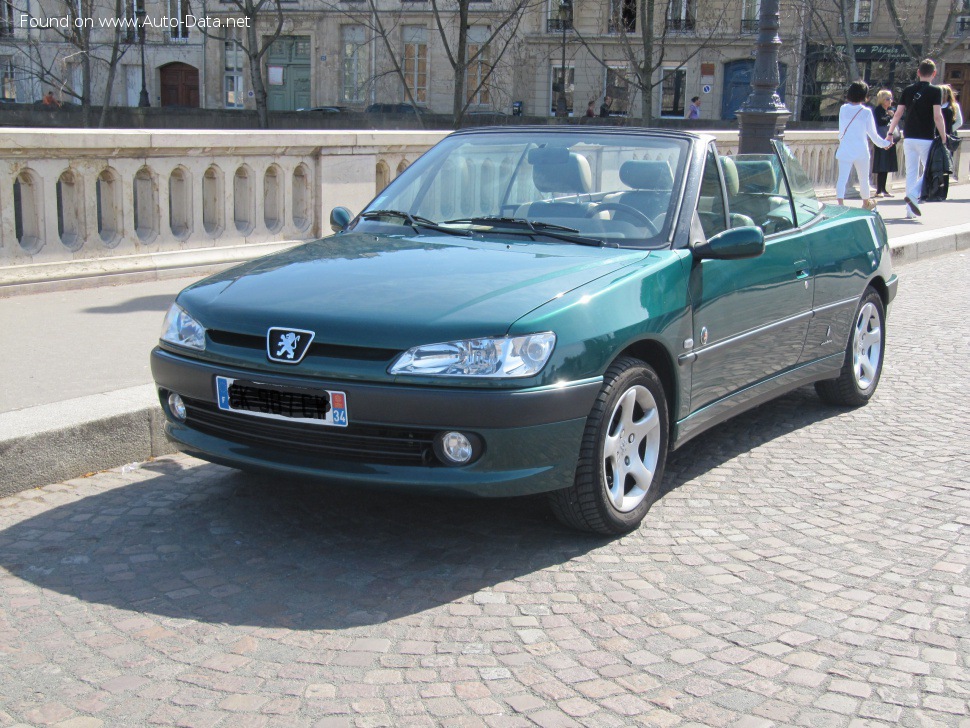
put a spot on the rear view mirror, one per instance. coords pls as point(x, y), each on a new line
point(741, 242)
point(339, 219)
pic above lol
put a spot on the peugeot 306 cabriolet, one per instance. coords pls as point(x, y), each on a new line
point(534, 310)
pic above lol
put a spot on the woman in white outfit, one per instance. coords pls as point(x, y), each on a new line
point(856, 127)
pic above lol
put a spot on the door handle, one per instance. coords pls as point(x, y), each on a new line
point(801, 274)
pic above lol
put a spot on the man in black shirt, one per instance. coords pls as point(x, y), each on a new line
point(921, 102)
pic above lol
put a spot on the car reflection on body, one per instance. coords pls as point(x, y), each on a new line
point(533, 310)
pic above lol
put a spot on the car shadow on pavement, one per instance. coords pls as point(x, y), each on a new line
point(745, 432)
point(211, 544)
point(160, 302)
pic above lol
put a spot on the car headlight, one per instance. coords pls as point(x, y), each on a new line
point(502, 356)
point(182, 330)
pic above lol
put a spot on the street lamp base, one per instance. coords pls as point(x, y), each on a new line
point(756, 129)
point(143, 101)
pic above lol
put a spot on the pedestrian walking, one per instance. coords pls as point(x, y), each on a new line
point(884, 161)
point(606, 106)
point(957, 124)
point(921, 104)
point(50, 102)
point(694, 110)
point(590, 110)
point(856, 127)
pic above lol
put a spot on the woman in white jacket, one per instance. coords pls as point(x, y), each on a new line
point(856, 127)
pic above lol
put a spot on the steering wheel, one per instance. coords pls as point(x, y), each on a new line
point(621, 208)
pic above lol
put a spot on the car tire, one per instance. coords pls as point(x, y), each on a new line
point(864, 355)
point(625, 438)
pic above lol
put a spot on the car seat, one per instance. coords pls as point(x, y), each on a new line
point(566, 173)
point(730, 171)
point(652, 183)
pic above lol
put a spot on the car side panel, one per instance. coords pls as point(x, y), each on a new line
point(595, 323)
point(844, 254)
point(755, 315)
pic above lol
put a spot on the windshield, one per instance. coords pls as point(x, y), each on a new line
point(599, 188)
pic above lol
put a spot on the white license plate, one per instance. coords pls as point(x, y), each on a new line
point(310, 406)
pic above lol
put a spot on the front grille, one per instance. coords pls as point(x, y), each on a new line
point(317, 348)
point(386, 445)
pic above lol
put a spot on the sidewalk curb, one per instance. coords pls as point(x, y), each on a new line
point(63, 440)
point(910, 248)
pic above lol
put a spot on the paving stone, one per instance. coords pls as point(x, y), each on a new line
point(805, 566)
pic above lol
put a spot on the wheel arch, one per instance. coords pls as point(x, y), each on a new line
point(882, 289)
point(656, 355)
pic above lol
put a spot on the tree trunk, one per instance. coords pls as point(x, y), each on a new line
point(86, 89)
point(461, 65)
point(645, 71)
point(112, 68)
point(853, 67)
point(259, 88)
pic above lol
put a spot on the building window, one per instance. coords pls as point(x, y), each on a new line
point(672, 92)
point(8, 79)
point(618, 89)
point(560, 16)
point(750, 13)
point(556, 87)
point(961, 25)
point(234, 93)
point(179, 11)
point(131, 9)
point(623, 16)
point(681, 15)
point(476, 89)
point(861, 18)
point(356, 61)
point(6, 18)
point(416, 61)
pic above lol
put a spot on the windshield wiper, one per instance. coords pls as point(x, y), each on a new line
point(522, 226)
point(415, 221)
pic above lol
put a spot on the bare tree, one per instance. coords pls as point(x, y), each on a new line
point(255, 16)
point(645, 49)
point(914, 24)
point(455, 39)
point(73, 29)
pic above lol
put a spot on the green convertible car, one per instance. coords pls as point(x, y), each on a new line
point(532, 310)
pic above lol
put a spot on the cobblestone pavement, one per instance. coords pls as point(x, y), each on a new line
point(808, 567)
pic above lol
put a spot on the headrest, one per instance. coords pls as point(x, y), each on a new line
point(566, 173)
point(756, 175)
point(644, 174)
point(730, 170)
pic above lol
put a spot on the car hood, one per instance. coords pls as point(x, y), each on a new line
point(385, 291)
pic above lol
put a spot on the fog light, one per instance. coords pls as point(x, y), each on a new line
point(176, 406)
point(456, 448)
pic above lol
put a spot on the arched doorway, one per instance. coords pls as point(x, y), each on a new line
point(737, 85)
point(180, 85)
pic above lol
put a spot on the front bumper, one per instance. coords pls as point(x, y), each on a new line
point(530, 437)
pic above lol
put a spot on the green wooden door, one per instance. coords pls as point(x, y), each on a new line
point(288, 73)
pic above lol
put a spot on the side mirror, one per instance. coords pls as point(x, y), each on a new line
point(741, 242)
point(340, 218)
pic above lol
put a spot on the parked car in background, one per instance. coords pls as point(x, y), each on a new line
point(533, 310)
point(325, 109)
point(402, 108)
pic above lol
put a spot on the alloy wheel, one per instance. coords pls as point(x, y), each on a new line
point(631, 448)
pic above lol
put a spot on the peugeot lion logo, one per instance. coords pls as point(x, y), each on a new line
point(287, 345)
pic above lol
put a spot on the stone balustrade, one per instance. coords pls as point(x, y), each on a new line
point(76, 204)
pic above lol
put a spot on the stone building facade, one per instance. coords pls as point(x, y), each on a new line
point(352, 54)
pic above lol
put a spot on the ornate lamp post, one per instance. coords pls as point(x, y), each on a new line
point(565, 13)
point(763, 116)
point(143, 101)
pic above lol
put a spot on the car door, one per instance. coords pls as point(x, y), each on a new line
point(750, 316)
